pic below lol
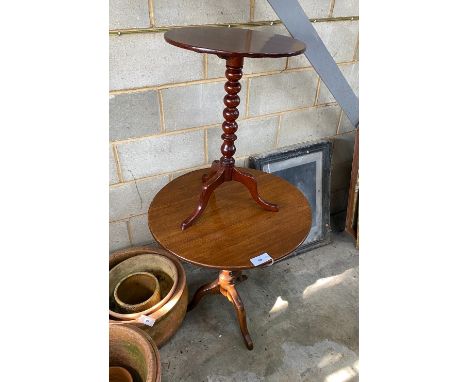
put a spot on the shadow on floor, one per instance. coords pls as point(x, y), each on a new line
point(302, 315)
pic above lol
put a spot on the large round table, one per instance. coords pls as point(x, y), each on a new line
point(232, 231)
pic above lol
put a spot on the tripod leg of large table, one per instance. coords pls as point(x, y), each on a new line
point(235, 299)
point(210, 288)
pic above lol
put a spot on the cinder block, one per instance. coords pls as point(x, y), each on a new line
point(197, 105)
point(133, 115)
point(161, 154)
point(139, 230)
point(145, 59)
point(308, 125)
point(312, 8)
point(284, 91)
point(125, 14)
point(253, 136)
point(350, 73)
point(118, 236)
point(113, 177)
point(345, 124)
point(189, 12)
point(133, 198)
point(344, 8)
point(339, 37)
point(343, 148)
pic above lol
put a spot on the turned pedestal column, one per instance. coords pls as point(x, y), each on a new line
point(224, 170)
point(232, 45)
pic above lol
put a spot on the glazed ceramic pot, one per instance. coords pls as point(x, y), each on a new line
point(162, 267)
point(137, 292)
point(119, 374)
point(169, 317)
point(132, 349)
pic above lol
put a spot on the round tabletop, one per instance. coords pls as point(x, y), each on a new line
point(233, 228)
point(234, 42)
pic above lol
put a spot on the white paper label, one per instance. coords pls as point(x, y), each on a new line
point(261, 259)
point(146, 320)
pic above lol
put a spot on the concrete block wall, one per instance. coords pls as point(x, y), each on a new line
point(165, 103)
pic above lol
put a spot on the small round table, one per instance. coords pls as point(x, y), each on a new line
point(232, 230)
point(232, 45)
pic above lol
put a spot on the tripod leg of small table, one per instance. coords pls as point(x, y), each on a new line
point(213, 170)
point(210, 288)
point(207, 190)
point(241, 316)
point(249, 181)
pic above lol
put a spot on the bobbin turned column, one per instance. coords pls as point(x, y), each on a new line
point(224, 170)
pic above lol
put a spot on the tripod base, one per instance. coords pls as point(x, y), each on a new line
point(225, 285)
point(219, 174)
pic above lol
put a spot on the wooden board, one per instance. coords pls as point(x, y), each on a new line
point(233, 228)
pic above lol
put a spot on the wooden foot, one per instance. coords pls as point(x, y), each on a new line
point(225, 285)
point(249, 181)
point(207, 190)
point(210, 288)
point(235, 299)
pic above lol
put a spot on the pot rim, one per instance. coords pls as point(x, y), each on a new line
point(126, 317)
point(181, 284)
point(134, 307)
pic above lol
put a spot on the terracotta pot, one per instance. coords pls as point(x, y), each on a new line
point(168, 318)
point(137, 292)
point(132, 349)
point(159, 265)
point(119, 374)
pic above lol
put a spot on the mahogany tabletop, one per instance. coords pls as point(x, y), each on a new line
point(234, 42)
point(233, 228)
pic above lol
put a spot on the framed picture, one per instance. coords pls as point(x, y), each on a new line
point(308, 167)
point(352, 213)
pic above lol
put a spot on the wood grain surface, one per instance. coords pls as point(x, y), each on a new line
point(233, 228)
point(234, 42)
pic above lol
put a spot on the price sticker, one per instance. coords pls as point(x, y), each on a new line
point(261, 259)
point(146, 320)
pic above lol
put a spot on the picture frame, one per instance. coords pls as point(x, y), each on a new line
point(352, 212)
point(308, 167)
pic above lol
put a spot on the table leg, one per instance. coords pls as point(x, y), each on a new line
point(224, 170)
point(225, 285)
point(210, 288)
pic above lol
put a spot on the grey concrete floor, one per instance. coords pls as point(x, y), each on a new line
point(302, 315)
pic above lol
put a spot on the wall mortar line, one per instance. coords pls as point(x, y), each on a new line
point(163, 29)
point(247, 99)
point(339, 122)
point(151, 13)
point(161, 112)
point(280, 117)
point(212, 125)
point(209, 80)
point(332, 8)
point(129, 233)
point(117, 163)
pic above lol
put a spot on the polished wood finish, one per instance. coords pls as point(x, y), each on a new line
point(225, 285)
point(352, 211)
point(234, 42)
point(233, 45)
point(234, 230)
point(224, 170)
